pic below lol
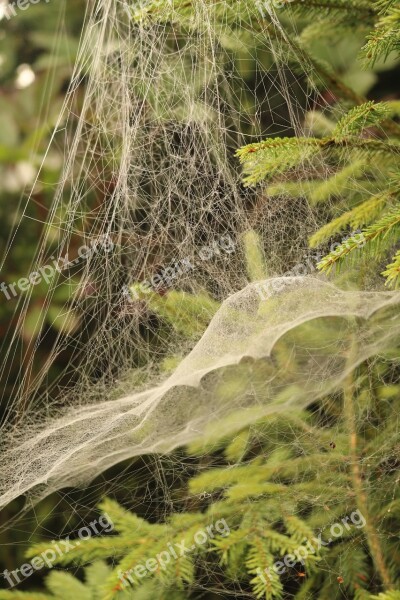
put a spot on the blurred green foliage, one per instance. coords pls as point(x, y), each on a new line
point(37, 53)
point(41, 43)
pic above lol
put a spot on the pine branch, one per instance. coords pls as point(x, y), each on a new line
point(275, 156)
point(372, 236)
point(392, 271)
point(189, 314)
point(372, 534)
point(359, 118)
point(385, 37)
point(361, 215)
point(260, 561)
point(392, 595)
point(339, 183)
point(254, 256)
point(66, 586)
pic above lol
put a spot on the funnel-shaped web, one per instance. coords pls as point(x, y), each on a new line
point(234, 375)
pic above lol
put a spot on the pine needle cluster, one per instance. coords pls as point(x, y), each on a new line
point(278, 486)
point(360, 155)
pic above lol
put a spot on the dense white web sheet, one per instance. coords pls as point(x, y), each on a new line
point(230, 378)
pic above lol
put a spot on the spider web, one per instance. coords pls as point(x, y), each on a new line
point(171, 91)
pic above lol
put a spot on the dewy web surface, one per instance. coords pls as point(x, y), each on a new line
point(196, 399)
point(167, 102)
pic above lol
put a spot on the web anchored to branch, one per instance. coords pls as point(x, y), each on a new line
point(180, 328)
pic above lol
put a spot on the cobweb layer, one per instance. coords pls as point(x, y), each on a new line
point(234, 375)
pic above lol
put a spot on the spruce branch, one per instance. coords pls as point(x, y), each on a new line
point(392, 595)
point(291, 189)
point(392, 271)
point(189, 314)
point(66, 586)
point(350, 414)
point(383, 6)
point(17, 595)
point(334, 83)
point(254, 256)
point(359, 118)
point(384, 229)
point(339, 183)
point(298, 529)
point(350, 6)
point(361, 215)
point(302, 56)
point(275, 156)
point(343, 9)
point(386, 37)
point(260, 561)
point(351, 560)
point(299, 476)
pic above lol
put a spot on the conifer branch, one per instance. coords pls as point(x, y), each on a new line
point(254, 256)
point(359, 118)
point(392, 271)
point(350, 7)
point(386, 227)
point(386, 37)
point(334, 83)
point(260, 560)
point(275, 156)
point(339, 183)
point(189, 314)
point(372, 535)
point(359, 216)
point(392, 595)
